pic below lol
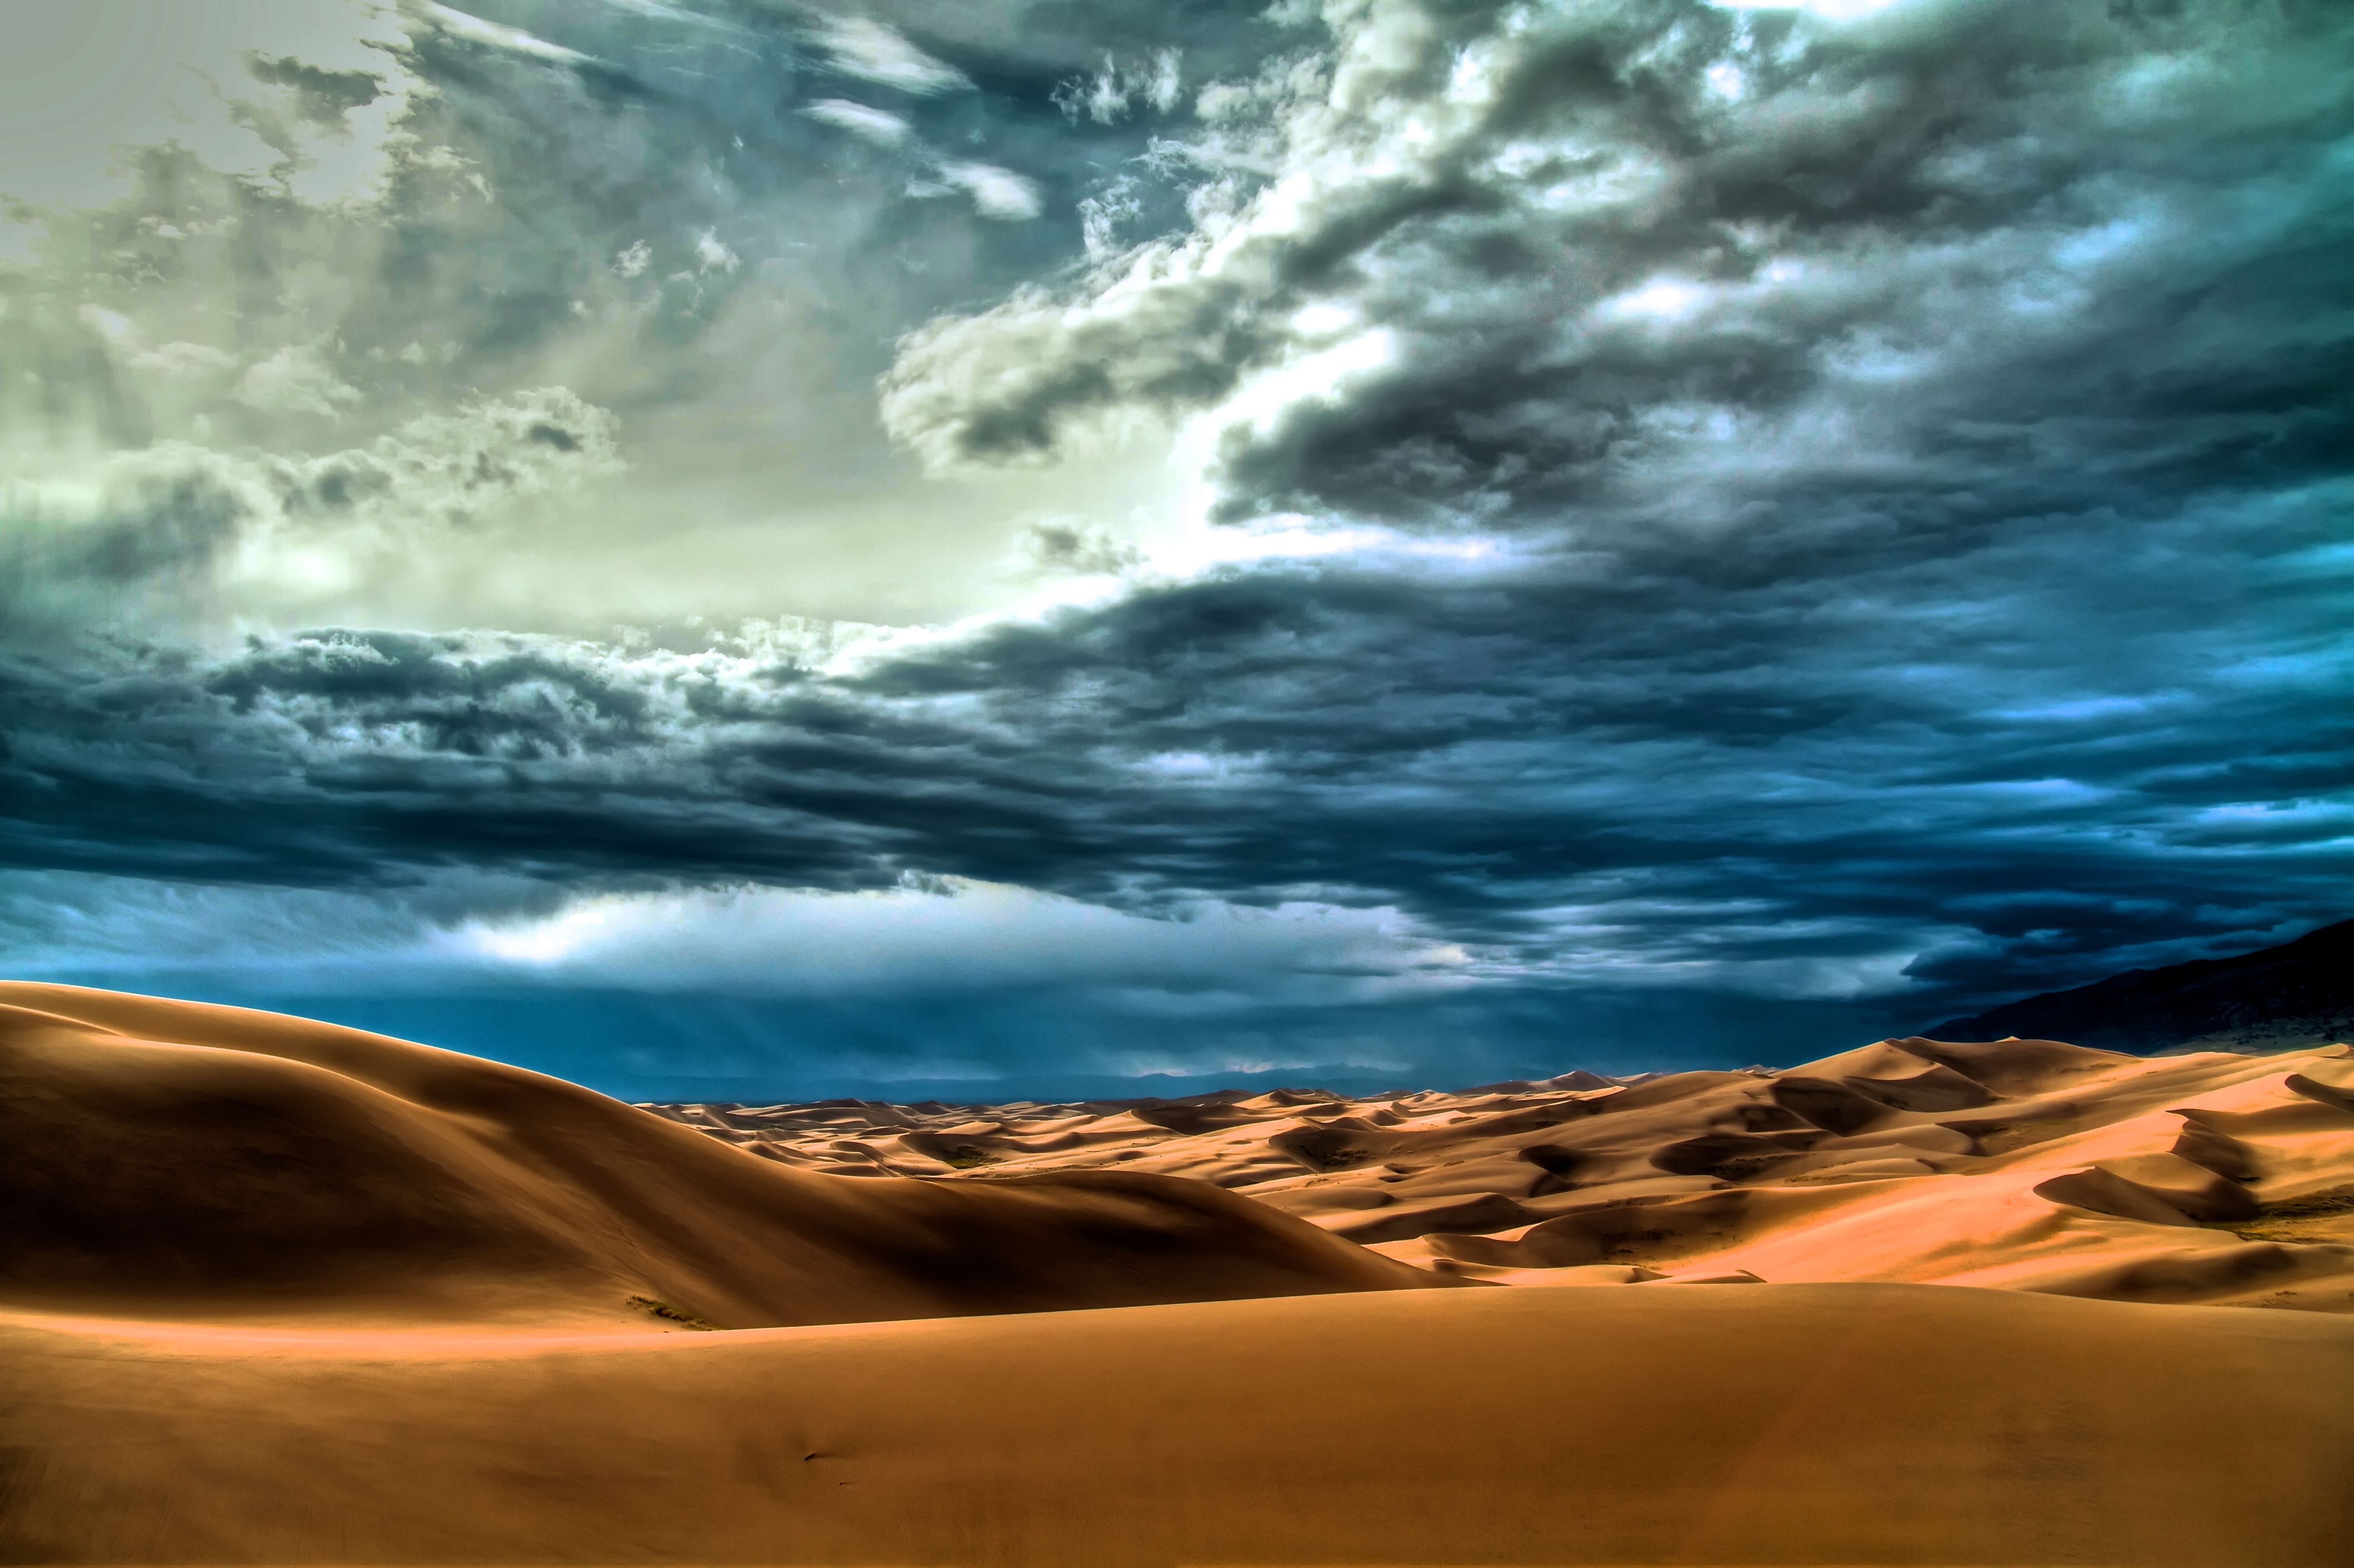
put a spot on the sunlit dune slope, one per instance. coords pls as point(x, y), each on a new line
point(1882, 1424)
point(171, 1160)
point(2030, 1164)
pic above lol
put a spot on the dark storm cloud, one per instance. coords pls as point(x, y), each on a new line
point(1838, 508)
point(1635, 261)
point(1762, 778)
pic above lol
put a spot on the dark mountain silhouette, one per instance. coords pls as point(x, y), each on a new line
point(2300, 993)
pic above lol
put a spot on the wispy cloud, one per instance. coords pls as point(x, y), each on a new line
point(495, 35)
point(876, 125)
point(996, 193)
point(873, 51)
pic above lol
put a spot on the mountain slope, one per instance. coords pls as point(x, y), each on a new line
point(2300, 993)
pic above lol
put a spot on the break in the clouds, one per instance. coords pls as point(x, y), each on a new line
point(1434, 541)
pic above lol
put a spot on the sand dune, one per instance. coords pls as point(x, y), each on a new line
point(2030, 1164)
point(201, 1160)
point(273, 1291)
point(1880, 1425)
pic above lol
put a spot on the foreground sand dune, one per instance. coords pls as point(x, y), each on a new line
point(191, 1161)
point(276, 1292)
point(1789, 1425)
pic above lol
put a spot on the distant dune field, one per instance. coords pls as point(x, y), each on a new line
point(275, 1291)
point(2023, 1163)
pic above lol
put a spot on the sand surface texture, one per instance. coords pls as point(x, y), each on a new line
point(273, 1291)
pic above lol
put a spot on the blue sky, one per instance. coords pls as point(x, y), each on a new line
point(742, 548)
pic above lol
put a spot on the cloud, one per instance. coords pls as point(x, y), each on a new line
point(1841, 514)
point(926, 936)
point(294, 380)
point(495, 35)
point(119, 542)
point(959, 936)
point(876, 125)
point(1834, 781)
point(956, 989)
point(1072, 547)
point(996, 193)
point(711, 255)
point(102, 929)
point(506, 223)
point(1835, 10)
point(873, 51)
point(1113, 92)
point(305, 97)
point(1608, 292)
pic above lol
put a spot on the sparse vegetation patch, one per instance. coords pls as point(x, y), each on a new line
point(2316, 1217)
point(664, 1309)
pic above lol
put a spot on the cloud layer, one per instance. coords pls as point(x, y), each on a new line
point(1837, 507)
point(1647, 266)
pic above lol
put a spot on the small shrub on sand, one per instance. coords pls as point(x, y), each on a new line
point(676, 1315)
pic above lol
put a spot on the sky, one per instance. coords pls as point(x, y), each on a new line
point(1008, 548)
